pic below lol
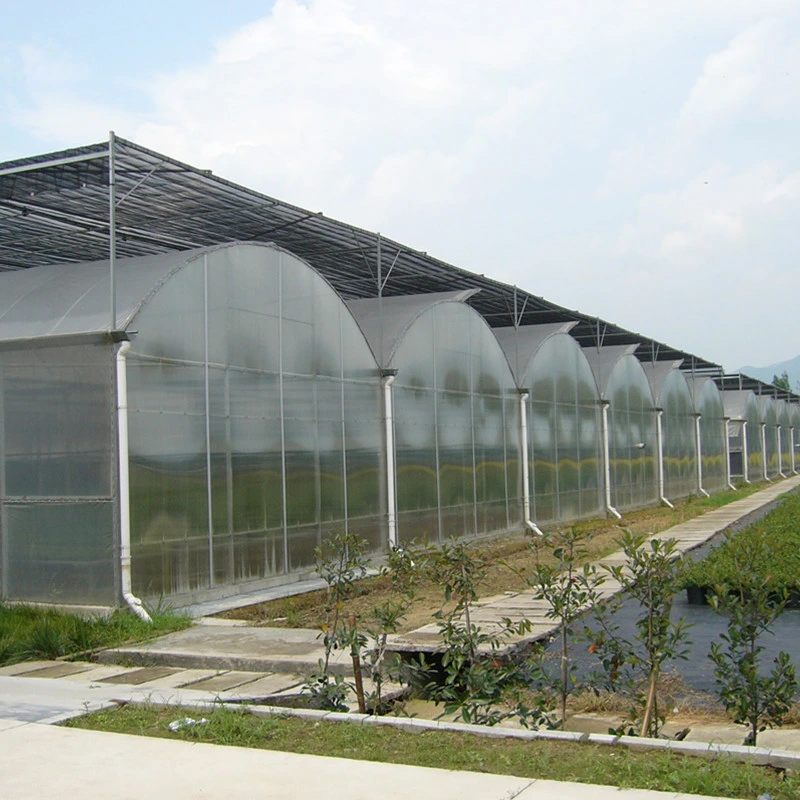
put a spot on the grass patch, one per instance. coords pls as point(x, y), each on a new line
point(29, 632)
point(781, 531)
point(510, 556)
point(585, 763)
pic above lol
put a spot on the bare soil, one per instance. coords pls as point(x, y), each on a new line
point(513, 557)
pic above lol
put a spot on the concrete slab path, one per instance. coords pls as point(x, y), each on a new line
point(489, 613)
point(41, 761)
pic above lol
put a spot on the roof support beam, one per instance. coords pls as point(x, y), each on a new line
point(56, 162)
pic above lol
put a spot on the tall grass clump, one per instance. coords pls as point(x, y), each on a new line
point(30, 632)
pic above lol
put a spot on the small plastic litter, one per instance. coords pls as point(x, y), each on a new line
point(186, 722)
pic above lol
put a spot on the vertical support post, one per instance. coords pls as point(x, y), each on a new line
point(791, 446)
point(778, 429)
point(727, 442)
point(606, 459)
point(698, 439)
point(207, 391)
point(526, 480)
point(660, 455)
point(112, 229)
point(285, 511)
point(3, 533)
point(764, 450)
point(745, 453)
point(391, 496)
point(344, 431)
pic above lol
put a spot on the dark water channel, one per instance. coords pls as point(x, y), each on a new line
point(697, 670)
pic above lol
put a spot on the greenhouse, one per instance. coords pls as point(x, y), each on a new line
point(200, 383)
point(677, 439)
point(562, 444)
point(714, 475)
point(745, 435)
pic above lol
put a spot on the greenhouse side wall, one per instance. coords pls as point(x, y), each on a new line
point(454, 400)
point(632, 435)
point(564, 432)
point(57, 457)
point(255, 425)
point(679, 437)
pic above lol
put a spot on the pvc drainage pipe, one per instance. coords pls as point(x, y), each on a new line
point(698, 447)
point(391, 502)
point(607, 460)
point(660, 448)
point(526, 489)
point(134, 603)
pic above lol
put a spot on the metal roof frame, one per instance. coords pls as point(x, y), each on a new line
point(80, 204)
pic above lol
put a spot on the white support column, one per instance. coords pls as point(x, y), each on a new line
point(526, 486)
point(607, 459)
point(133, 602)
point(764, 450)
point(698, 448)
point(791, 445)
point(728, 481)
point(391, 495)
point(660, 455)
point(745, 453)
point(778, 429)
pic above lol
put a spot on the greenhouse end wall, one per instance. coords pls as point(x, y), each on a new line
point(57, 473)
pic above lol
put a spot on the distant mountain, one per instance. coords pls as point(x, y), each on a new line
point(792, 368)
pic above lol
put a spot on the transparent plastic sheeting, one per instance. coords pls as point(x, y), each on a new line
point(679, 437)
point(708, 403)
point(265, 413)
point(256, 424)
point(564, 432)
point(632, 436)
point(454, 415)
point(57, 448)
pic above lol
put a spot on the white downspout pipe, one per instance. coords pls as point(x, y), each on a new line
point(391, 497)
point(764, 451)
point(699, 454)
point(133, 602)
point(728, 481)
point(660, 448)
point(526, 489)
point(745, 453)
point(606, 459)
point(778, 429)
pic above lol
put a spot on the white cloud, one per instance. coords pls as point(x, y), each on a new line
point(586, 151)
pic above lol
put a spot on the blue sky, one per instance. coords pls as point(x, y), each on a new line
point(633, 159)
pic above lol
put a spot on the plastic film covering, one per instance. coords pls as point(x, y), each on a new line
point(754, 453)
point(564, 431)
point(57, 434)
point(744, 434)
point(678, 436)
point(794, 412)
point(253, 396)
point(769, 417)
point(632, 435)
point(785, 436)
point(453, 410)
point(708, 403)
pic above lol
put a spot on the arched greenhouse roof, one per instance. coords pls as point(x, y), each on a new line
point(384, 321)
point(50, 301)
point(603, 360)
point(521, 344)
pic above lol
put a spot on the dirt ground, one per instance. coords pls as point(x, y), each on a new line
point(512, 559)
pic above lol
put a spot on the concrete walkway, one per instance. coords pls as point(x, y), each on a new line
point(213, 662)
point(489, 613)
point(42, 761)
